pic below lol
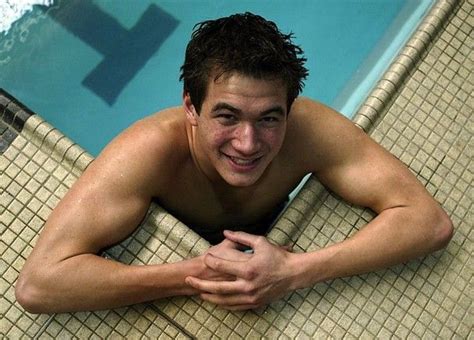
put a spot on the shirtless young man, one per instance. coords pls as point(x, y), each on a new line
point(228, 157)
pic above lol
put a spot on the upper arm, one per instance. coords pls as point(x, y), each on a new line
point(354, 166)
point(105, 204)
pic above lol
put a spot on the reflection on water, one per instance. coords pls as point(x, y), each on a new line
point(11, 12)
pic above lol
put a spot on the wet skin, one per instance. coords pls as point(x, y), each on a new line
point(228, 166)
point(240, 129)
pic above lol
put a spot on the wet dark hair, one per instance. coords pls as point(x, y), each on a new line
point(244, 43)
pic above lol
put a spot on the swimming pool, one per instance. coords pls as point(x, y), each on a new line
point(91, 68)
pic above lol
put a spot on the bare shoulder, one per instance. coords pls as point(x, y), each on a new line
point(148, 150)
point(312, 116)
point(113, 194)
point(322, 135)
point(108, 201)
point(347, 160)
point(161, 132)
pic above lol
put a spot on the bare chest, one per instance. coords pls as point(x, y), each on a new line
point(203, 208)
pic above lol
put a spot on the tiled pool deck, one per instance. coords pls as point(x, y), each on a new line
point(421, 111)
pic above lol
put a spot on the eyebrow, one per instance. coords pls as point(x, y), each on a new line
point(225, 106)
point(276, 109)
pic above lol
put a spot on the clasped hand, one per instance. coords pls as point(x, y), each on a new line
point(248, 280)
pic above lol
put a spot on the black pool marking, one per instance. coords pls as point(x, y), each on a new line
point(13, 116)
point(125, 51)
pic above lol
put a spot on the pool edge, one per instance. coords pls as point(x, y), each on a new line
point(372, 108)
point(295, 217)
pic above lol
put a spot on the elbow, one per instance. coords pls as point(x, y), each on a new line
point(28, 294)
point(442, 229)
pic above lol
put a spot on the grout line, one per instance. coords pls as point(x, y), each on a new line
point(43, 328)
point(171, 321)
point(409, 56)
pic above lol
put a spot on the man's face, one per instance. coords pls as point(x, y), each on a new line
point(240, 129)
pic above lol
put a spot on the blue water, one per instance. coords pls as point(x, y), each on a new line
point(91, 68)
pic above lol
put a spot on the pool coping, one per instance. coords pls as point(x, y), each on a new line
point(370, 111)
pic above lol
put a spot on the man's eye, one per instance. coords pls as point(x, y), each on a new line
point(270, 120)
point(226, 117)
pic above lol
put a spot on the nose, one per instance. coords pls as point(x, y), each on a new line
point(246, 139)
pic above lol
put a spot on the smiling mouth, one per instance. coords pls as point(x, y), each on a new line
point(243, 162)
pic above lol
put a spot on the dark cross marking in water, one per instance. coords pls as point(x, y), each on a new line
point(125, 51)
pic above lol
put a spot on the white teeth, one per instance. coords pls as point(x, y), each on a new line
point(240, 161)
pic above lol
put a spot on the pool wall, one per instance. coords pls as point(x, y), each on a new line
point(421, 110)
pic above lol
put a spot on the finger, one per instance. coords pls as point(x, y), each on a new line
point(242, 237)
point(236, 268)
point(231, 302)
point(230, 254)
point(212, 275)
point(215, 287)
point(229, 244)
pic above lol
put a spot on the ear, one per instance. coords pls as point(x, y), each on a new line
point(189, 108)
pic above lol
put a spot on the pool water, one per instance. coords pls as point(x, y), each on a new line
point(91, 68)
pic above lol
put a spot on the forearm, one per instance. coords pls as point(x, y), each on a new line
point(395, 236)
point(90, 282)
